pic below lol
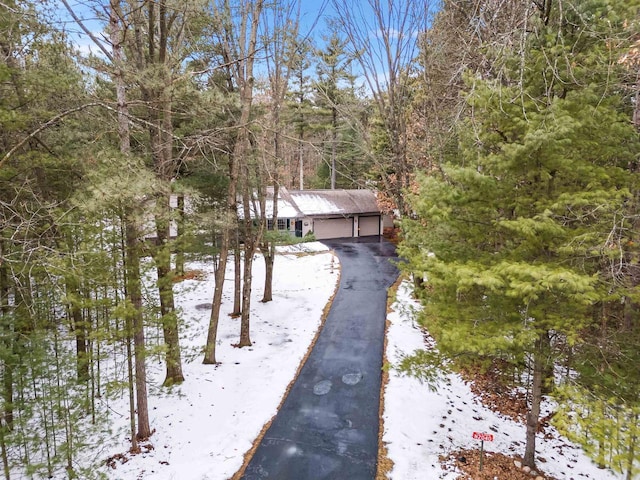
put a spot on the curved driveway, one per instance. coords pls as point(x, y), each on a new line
point(327, 427)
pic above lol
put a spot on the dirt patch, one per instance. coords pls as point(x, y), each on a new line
point(190, 275)
point(121, 458)
point(494, 390)
point(491, 387)
point(392, 234)
point(495, 465)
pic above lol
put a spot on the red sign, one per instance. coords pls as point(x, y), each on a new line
point(485, 437)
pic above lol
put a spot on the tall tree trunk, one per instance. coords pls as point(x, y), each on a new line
point(245, 317)
point(134, 291)
point(268, 273)
point(633, 440)
point(3, 452)
point(241, 70)
point(162, 258)
point(6, 417)
point(245, 339)
point(285, 30)
point(78, 324)
point(167, 171)
point(216, 303)
point(251, 239)
point(268, 245)
point(540, 354)
point(168, 314)
point(237, 277)
point(179, 246)
point(221, 266)
point(131, 252)
point(155, 81)
point(301, 159)
point(79, 328)
point(334, 141)
point(131, 380)
point(300, 143)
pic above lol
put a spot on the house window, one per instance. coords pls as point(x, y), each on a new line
point(283, 224)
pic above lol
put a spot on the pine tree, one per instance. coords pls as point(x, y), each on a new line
point(300, 110)
point(333, 72)
point(45, 357)
point(386, 63)
point(511, 234)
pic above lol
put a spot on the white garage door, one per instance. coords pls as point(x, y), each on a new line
point(369, 225)
point(333, 228)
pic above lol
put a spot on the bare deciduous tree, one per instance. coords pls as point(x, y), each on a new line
point(236, 29)
point(280, 34)
point(383, 38)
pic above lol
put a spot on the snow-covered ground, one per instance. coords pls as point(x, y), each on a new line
point(422, 424)
point(205, 426)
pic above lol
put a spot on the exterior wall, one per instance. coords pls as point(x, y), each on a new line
point(307, 225)
point(357, 228)
point(387, 221)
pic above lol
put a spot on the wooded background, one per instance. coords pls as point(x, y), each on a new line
point(502, 134)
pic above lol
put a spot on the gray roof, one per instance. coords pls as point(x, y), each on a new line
point(319, 203)
point(334, 202)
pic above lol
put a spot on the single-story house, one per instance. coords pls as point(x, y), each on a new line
point(325, 213)
point(328, 213)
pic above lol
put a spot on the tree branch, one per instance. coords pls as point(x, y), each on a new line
point(59, 117)
point(42, 127)
point(87, 31)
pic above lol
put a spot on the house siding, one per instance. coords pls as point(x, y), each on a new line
point(329, 213)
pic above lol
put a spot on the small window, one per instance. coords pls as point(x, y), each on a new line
point(269, 224)
point(282, 224)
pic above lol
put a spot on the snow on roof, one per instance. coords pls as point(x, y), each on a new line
point(285, 209)
point(302, 203)
point(332, 202)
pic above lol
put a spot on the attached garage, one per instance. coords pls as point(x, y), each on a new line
point(327, 213)
point(324, 228)
point(369, 225)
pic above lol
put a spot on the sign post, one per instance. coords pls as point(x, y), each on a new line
point(483, 437)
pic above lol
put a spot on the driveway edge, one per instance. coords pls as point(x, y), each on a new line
point(385, 464)
point(325, 313)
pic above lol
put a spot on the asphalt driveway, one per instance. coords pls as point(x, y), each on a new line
point(327, 427)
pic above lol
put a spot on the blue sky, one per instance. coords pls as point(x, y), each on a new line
point(313, 21)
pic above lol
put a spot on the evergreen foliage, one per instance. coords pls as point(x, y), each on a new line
point(523, 229)
point(512, 233)
point(338, 105)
